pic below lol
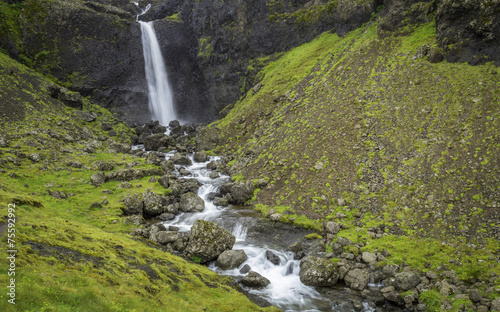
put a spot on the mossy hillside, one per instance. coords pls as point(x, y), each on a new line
point(368, 134)
point(71, 256)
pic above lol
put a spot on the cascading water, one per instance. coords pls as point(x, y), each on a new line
point(161, 100)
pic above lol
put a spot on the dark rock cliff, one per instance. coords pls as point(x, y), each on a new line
point(214, 49)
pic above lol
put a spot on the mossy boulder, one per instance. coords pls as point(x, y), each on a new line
point(208, 240)
point(316, 271)
point(190, 202)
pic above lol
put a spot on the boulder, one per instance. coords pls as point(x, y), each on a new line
point(406, 281)
point(58, 195)
point(239, 192)
point(272, 257)
point(154, 230)
point(212, 165)
point(181, 159)
point(135, 220)
point(124, 175)
point(166, 216)
point(98, 178)
point(357, 279)
point(275, 217)
point(368, 257)
point(208, 240)
point(254, 279)
point(318, 272)
point(165, 237)
point(102, 166)
point(124, 185)
point(156, 141)
point(221, 201)
point(133, 205)
point(190, 202)
point(332, 227)
point(167, 166)
point(245, 269)
point(153, 204)
point(495, 304)
point(163, 181)
point(201, 156)
point(231, 259)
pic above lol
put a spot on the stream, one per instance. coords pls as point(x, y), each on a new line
point(256, 235)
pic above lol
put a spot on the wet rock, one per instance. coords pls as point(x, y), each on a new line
point(166, 216)
point(245, 269)
point(165, 237)
point(167, 166)
point(190, 202)
point(231, 259)
point(184, 172)
point(156, 141)
point(332, 227)
point(318, 272)
point(214, 175)
point(394, 297)
point(98, 178)
point(181, 159)
point(133, 205)
point(153, 204)
point(153, 159)
point(239, 192)
point(221, 201)
point(213, 165)
point(254, 279)
point(357, 279)
point(406, 281)
point(200, 156)
point(272, 257)
point(208, 240)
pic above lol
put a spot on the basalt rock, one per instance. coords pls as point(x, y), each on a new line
point(208, 240)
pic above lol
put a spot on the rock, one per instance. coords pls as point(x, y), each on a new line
point(124, 175)
point(444, 288)
point(124, 185)
point(136, 220)
point(35, 157)
point(221, 201)
point(165, 237)
point(156, 141)
point(406, 281)
point(190, 202)
point(394, 297)
point(272, 257)
point(95, 205)
point(431, 275)
point(495, 304)
point(201, 156)
point(58, 195)
point(332, 227)
point(213, 165)
point(357, 279)
point(174, 124)
point(245, 269)
point(474, 295)
point(184, 172)
point(166, 216)
point(341, 202)
point(231, 259)
point(214, 175)
point(154, 230)
point(421, 307)
point(318, 272)
point(240, 191)
point(260, 183)
point(208, 240)
point(153, 204)
point(369, 257)
point(167, 166)
point(275, 217)
point(102, 166)
point(86, 116)
point(4, 142)
point(343, 241)
point(98, 178)
point(254, 279)
point(181, 159)
point(133, 205)
point(163, 181)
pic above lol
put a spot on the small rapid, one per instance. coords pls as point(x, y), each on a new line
point(285, 290)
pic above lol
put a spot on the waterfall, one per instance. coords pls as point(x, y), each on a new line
point(161, 101)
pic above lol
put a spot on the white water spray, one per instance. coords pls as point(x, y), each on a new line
point(161, 100)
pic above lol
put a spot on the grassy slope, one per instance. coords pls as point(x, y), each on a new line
point(71, 257)
point(357, 125)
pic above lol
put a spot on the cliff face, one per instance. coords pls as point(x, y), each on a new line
point(214, 49)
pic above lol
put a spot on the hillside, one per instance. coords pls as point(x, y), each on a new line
point(376, 135)
point(74, 248)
